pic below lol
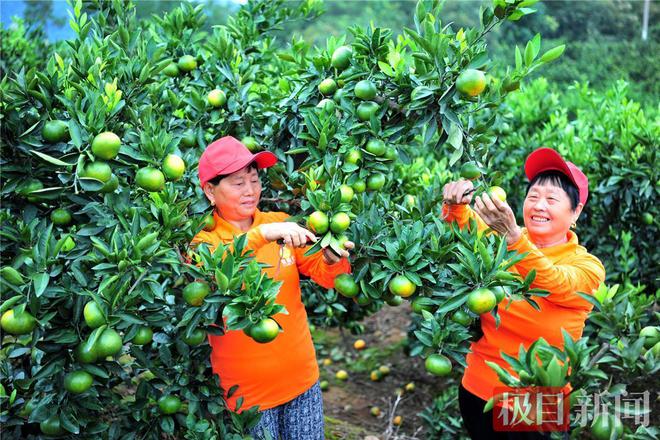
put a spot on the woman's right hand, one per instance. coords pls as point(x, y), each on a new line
point(291, 233)
point(458, 192)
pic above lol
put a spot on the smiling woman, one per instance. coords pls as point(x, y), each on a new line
point(556, 194)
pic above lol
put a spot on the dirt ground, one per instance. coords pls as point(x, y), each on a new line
point(347, 404)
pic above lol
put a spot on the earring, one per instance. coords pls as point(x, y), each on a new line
point(573, 225)
point(212, 202)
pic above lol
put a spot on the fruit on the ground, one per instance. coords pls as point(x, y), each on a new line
point(143, 336)
point(150, 179)
point(471, 82)
point(51, 426)
point(394, 300)
point(195, 292)
point(106, 145)
point(647, 218)
point(375, 375)
point(375, 411)
point(98, 170)
point(325, 386)
point(376, 181)
point(318, 222)
point(347, 193)
point(353, 156)
point(29, 186)
point(461, 317)
point(651, 336)
point(346, 285)
point(366, 110)
point(327, 104)
point(93, 315)
point(55, 131)
point(421, 303)
point(326, 362)
point(111, 185)
point(17, 323)
point(196, 337)
point(376, 147)
point(359, 344)
point(86, 355)
point(481, 301)
point(341, 375)
point(109, 343)
point(384, 370)
point(438, 365)
point(400, 285)
point(250, 143)
point(78, 382)
point(171, 70)
point(216, 98)
point(410, 387)
point(61, 216)
point(606, 426)
point(496, 191)
point(12, 276)
point(340, 222)
point(169, 404)
point(470, 171)
point(187, 63)
point(173, 167)
point(397, 421)
point(341, 57)
point(328, 86)
point(265, 330)
point(365, 89)
point(359, 186)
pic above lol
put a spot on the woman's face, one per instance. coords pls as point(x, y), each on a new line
point(547, 213)
point(237, 195)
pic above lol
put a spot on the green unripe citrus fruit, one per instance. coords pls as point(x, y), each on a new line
point(150, 179)
point(106, 145)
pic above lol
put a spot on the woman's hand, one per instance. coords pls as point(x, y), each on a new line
point(291, 233)
point(330, 257)
point(498, 216)
point(458, 193)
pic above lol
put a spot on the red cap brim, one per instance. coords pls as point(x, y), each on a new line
point(263, 159)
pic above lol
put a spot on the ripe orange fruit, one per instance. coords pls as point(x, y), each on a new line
point(98, 170)
point(109, 343)
point(196, 337)
point(384, 370)
point(347, 193)
point(481, 301)
point(169, 404)
point(106, 145)
point(400, 285)
point(55, 131)
point(318, 222)
point(143, 336)
point(171, 70)
point(173, 167)
point(195, 292)
point(366, 110)
point(438, 365)
point(471, 82)
point(397, 421)
point(187, 63)
point(216, 98)
point(376, 181)
point(61, 216)
point(376, 147)
point(365, 89)
point(359, 344)
point(328, 86)
point(340, 222)
point(265, 330)
point(150, 179)
point(375, 375)
point(341, 375)
point(353, 156)
point(93, 315)
point(346, 285)
point(470, 171)
point(77, 382)
point(17, 323)
point(496, 191)
point(341, 57)
point(410, 387)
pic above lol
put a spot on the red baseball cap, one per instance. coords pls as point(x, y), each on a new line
point(545, 159)
point(228, 155)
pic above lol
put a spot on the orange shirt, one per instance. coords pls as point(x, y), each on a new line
point(563, 270)
point(274, 373)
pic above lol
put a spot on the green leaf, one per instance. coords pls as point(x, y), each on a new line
point(553, 54)
point(455, 138)
point(40, 282)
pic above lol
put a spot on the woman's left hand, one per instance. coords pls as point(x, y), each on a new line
point(330, 257)
point(498, 216)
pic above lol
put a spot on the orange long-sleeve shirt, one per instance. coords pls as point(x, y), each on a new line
point(563, 270)
point(270, 374)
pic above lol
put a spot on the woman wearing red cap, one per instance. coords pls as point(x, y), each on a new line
point(280, 377)
point(556, 194)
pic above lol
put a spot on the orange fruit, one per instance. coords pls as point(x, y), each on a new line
point(438, 365)
point(250, 143)
point(376, 181)
point(341, 375)
point(461, 317)
point(359, 344)
point(143, 336)
point(375, 411)
point(496, 191)
point(318, 223)
point(397, 421)
point(347, 193)
point(470, 171)
point(365, 89)
point(216, 98)
point(111, 185)
point(171, 70)
point(328, 86)
point(106, 145)
point(150, 179)
point(187, 63)
point(55, 131)
point(51, 426)
point(471, 82)
point(77, 382)
point(93, 315)
point(173, 167)
point(17, 323)
point(109, 343)
point(195, 292)
point(366, 110)
point(327, 104)
point(98, 170)
point(28, 187)
point(265, 330)
point(196, 337)
point(359, 186)
point(169, 404)
point(325, 386)
point(340, 222)
point(346, 285)
point(61, 216)
point(400, 285)
point(376, 147)
point(341, 57)
point(86, 356)
point(481, 301)
point(353, 156)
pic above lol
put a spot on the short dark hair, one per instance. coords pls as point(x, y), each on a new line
point(219, 177)
point(559, 179)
